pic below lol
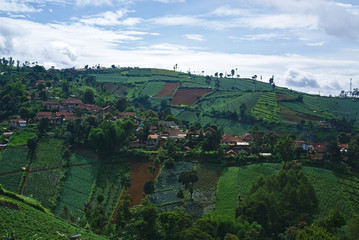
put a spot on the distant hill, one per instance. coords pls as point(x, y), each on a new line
point(25, 218)
point(215, 100)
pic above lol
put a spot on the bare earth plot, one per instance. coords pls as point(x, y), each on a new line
point(188, 96)
point(168, 90)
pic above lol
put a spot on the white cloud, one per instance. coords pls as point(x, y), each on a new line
point(335, 19)
point(110, 18)
point(281, 21)
point(15, 6)
point(256, 37)
point(196, 37)
point(227, 11)
point(316, 44)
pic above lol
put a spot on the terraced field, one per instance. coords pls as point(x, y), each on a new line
point(266, 108)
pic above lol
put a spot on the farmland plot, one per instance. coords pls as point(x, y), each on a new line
point(204, 190)
point(266, 108)
point(188, 96)
point(152, 88)
point(48, 153)
point(12, 159)
point(42, 186)
point(11, 182)
point(238, 180)
point(108, 184)
point(77, 188)
point(329, 191)
point(350, 186)
point(168, 89)
point(166, 186)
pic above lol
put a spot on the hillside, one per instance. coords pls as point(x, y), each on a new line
point(26, 219)
point(208, 99)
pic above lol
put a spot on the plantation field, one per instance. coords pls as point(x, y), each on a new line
point(43, 185)
point(20, 138)
point(48, 153)
point(166, 186)
point(83, 156)
point(266, 108)
point(186, 115)
point(11, 182)
point(188, 96)
point(168, 90)
point(111, 78)
point(238, 180)
point(329, 191)
point(350, 185)
point(204, 190)
point(164, 72)
point(152, 88)
point(139, 72)
point(13, 159)
point(30, 223)
point(303, 109)
point(108, 184)
point(76, 189)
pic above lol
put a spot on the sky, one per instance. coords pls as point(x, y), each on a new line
point(307, 45)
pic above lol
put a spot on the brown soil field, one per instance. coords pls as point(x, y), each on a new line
point(139, 174)
point(281, 96)
point(188, 96)
point(168, 90)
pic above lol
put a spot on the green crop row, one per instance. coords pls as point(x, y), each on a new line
point(13, 159)
point(43, 186)
point(266, 108)
point(164, 72)
point(77, 188)
point(329, 191)
point(48, 153)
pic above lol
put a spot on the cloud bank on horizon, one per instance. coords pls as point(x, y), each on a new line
point(308, 45)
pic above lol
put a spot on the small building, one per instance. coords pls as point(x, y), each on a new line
point(69, 104)
point(167, 124)
point(51, 104)
point(301, 144)
point(17, 123)
point(152, 141)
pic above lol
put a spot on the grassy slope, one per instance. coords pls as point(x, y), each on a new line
point(28, 222)
point(332, 192)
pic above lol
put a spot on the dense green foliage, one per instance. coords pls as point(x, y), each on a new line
point(284, 199)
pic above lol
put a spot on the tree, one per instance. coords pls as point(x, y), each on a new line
point(89, 96)
point(221, 75)
point(332, 152)
point(353, 228)
point(194, 233)
point(43, 125)
point(32, 145)
point(284, 199)
point(315, 232)
point(284, 148)
point(148, 187)
point(353, 152)
point(232, 72)
point(188, 179)
point(123, 213)
point(169, 163)
point(343, 138)
point(121, 104)
point(173, 223)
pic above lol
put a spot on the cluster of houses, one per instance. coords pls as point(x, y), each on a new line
point(60, 112)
